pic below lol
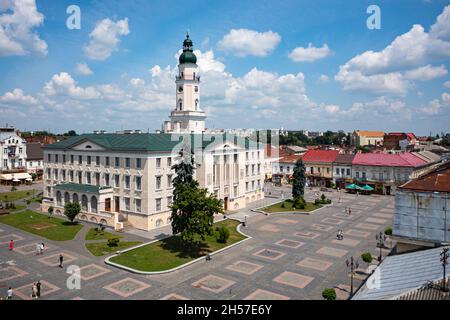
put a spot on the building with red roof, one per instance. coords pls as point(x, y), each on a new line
point(384, 170)
point(319, 166)
point(395, 140)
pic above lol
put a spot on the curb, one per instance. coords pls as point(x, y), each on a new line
point(107, 260)
point(288, 212)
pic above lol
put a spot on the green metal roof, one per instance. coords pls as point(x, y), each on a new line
point(82, 188)
point(149, 142)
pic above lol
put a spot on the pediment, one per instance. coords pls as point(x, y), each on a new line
point(88, 145)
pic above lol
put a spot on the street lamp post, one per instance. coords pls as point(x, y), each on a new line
point(444, 260)
point(353, 265)
point(381, 238)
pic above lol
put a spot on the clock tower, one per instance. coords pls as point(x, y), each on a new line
point(187, 116)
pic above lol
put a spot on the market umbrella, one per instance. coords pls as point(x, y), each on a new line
point(367, 188)
point(352, 186)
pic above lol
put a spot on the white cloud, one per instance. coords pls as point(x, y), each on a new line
point(64, 85)
point(83, 69)
point(447, 84)
point(426, 73)
point(17, 97)
point(16, 28)
point(104, 39)
point(311, 53)
point(245, 42)
point(386, 71)
point(323, 78)
point(437, 106)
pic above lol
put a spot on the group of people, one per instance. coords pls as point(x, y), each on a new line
point(40, 248)
point(36, 290)
point(340, 235)
point(348, 211)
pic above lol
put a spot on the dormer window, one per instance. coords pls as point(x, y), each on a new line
point(88, 147)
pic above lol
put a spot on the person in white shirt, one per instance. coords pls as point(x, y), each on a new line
point(10, 293)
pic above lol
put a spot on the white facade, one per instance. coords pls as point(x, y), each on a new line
point(34, 166)
point(13, 150)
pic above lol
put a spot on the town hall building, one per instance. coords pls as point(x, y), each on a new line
point(125, 179)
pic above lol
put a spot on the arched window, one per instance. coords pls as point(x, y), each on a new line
point(180, 104)
point(194, 75)
point(75, 198)
point(196, 104)
point(84, 203)
point(66, 197)
point(94, 204)
point(58, 198)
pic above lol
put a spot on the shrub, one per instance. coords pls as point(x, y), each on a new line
point(113, 242)
point(328, 201)
point(28, 202)
point(223, 235)
point(13, 189)
point(28, 193)
point(283, 205)
point(388, 231)
point(323, 197)
point(317, 202)
point(329, 294)
point(367, 257)
point(299, 203)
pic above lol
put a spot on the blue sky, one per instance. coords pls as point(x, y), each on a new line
point(294, 64)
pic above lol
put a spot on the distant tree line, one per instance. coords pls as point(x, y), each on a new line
point(297, 138)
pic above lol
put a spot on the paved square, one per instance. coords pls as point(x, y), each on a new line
point(367, 226)
point(321, 227)
point(92, 271)
point(293, 279)
point(336, 222)
point(356, 233)
point(347, 242)
point(391, 211)
point(173, 296)
point(342, 292)
point(289, 243)
point(244, 267)
point(53, 260)
point(383, 215)
point(29, 249)
point(260, 294)
point(11, 272)
point(213, 283)
point(375, 220)
point(24, 292)
point(269, 227)
point(7, 238)
point(343, 216)
point(332, 252)
point(307, 234)
point(269, 254)
point(127, 287)
point(285, 221)
point(315, 264)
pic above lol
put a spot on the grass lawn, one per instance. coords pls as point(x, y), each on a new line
point(18, 207)
point(169, 253)
point(277, 207)
point(100, 235)
point(16, 195)
point(41, 225)
point(102, 248)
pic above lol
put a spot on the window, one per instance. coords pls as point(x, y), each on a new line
point(138, 183)
point(80, 177)
point(56, 158)
point(107, 179)
point(158, 205)
point(55, 174)
point(246, 156)
point(158, 182)
point(138, 163)
point(380, 176)
point(71, 175)
point(235, 158)
point(127, 162)
point(88, 160)
point(363, 175)
point(328, 170)
point(246, 170)
point(107, 161)
point(158, 162)
point(169, 181)
point(253, 185)
point(97, 178)
point(259, 168)
point(88, 177)
point(20, 150)
point(253, 169)
point(49, 175)
point(169, 201)
point(235, 191)
point(246, 186)
point(357, 174)
point(116, 181)
point(138, 205)
point(71, 159)
point(348, 172)
point(80, 159)
point(311, 170)
point(97, 160)
point(127, 182)
point(117, 162)
point(63, 174)
point(64, 158)
point(169, 162)
point(49, 156)
point(337, 171)
point(127, 204)
point(318, 169)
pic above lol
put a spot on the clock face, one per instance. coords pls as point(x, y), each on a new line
point(180, 89)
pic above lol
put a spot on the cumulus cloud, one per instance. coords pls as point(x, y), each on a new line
point(447, 84)
point(17, 97)
point(323, 78)
point(64, 85)
point(17, 22)
point(245, 42)
point(437, 106)
point(311, 53)
point(83, 69)
point(407, 58)
point(105, 38)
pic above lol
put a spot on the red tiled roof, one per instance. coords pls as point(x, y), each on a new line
point(436, 180)
point(320, 156)
point(292, 158)
point(344, 158)
point(389, 160)
point(411, 136)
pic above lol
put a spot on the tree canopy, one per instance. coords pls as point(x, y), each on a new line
point(298, 186)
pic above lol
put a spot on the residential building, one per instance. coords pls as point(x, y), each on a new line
point(271, 155)
point(319, 166)
point(342, 170)
point(422, 210)
point(35, 158)
point(384, 171)
point(126, 178)
point(363, 138)
point(283, 168)
point(399, 141)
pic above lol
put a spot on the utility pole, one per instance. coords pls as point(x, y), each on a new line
point(352, 265)
point(444, 260)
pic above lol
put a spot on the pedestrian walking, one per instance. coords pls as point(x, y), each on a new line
point(42, 247)
point(38, 249)
point(34, 291)
point(38, 289)
point(11, 245)
point(9, 293)
point(349, 211)
point(61, 260)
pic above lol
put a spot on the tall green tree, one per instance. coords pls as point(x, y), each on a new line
point(298, 186)
point(71, 210)
point(192, 208)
